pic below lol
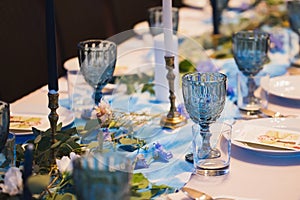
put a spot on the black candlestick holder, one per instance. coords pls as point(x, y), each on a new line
point(53, 118)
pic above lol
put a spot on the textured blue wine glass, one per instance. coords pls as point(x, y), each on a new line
point(97, 60)
point(204, 97)
point(293, 8)
point(250, 51)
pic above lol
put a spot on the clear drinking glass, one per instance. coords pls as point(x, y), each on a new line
point(250, 51)
point(97, 59)
point(204, 97)
point(155, 20)
point(294, 19)
point(220, 139)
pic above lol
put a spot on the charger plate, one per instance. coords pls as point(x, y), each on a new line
point(22, 123)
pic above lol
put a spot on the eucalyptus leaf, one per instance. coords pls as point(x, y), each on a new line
point(139, 180)
point(38, 139)
point(44, 144)
point(142, 195)
point(128, 141)
point(38, 183)
point(58, 127)
point(148, 87)
point(55, 145)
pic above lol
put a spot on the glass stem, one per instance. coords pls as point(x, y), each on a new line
point(98, 95)
point(251, 88)
point(205, 133)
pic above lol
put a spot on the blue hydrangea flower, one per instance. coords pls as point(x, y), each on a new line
point(181, 109)
point(277, 43)
point(160, 153)
point(106, 134)
point(140, 162)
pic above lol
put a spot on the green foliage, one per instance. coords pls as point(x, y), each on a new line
point(186, 66)
point(141, 188)
point(65, 196)
point(136, 82)
point(65, 142)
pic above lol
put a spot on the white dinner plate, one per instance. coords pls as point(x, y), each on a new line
point(195, 3)
point(284, 86)
point(22, 123)
point(283, 124)
point(73, 64)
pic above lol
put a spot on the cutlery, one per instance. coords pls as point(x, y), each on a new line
point(274, 114)
point(198, 195)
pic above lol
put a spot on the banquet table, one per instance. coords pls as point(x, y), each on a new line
point(253, 174)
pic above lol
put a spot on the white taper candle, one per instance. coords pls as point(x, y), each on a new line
point(168, 27)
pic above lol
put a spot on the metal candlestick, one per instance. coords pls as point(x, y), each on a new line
point(53, 117)
point(173, 119)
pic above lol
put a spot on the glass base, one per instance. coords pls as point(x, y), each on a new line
point(212, 168)
point(250, 107)
point(295, 62)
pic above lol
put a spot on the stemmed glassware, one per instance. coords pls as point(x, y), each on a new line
point(217, 8)
point(97, 59)
point(155, 20)
point(294, 19)
point(250, 51)
point(204, 97)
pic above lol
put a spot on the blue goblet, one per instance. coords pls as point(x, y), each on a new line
point(294, 19)
point(250, 52)
point(97, 59)
point(204, 97)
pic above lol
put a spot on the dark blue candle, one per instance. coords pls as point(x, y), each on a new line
point(27, 170)
point(51, 46)
point(215, 16)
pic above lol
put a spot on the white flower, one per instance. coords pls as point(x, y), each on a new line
point(13, 182)
point(65, 163)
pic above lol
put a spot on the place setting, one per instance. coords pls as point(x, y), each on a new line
point(253, 98)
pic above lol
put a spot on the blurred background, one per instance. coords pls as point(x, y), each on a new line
point(23, 51)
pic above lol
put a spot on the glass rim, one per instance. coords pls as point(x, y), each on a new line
point(188, 77)
point(251, 34)
point(81, 44)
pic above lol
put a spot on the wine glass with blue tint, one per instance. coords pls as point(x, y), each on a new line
point(293, 8)
point(97, 60)
point(204, 97)
point(250, 52)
